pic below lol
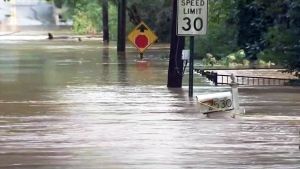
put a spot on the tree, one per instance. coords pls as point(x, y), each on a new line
point(291, 36)
point(253, 25)
point(221, 39)
point(105, 21)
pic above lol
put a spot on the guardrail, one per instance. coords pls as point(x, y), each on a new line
point(220, 79)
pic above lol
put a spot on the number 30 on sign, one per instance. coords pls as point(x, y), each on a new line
point(192, 17)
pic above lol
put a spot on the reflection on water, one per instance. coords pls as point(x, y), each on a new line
point(82, 105)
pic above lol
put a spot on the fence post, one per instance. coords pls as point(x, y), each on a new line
point(211, 75)
point(202, 72)
point(235, 96)
point(215, 79)
point(207, 74)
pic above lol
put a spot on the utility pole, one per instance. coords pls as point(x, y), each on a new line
point(175, 61)
point(121, 26)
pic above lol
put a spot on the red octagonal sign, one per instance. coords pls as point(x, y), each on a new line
point(141, 41)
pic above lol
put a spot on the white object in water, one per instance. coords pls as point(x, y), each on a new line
point(215, 102)
point(220, 102)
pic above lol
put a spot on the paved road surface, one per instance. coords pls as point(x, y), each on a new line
point(27, 13)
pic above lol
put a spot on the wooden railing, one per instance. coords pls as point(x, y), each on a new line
point(219, 79)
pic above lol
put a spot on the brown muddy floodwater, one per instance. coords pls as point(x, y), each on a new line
point(71, 105)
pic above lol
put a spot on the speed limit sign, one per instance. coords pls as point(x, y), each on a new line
point(192, 17)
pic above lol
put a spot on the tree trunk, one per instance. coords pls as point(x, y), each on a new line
point(175, 62)
point(105, 21)
point(121, 26)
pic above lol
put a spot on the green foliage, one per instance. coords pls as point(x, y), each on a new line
point(113, 21)
point(267, 31)
point(236, 57)
point(284, 36)
point(87, 18)
point(86, 15)
point(222, 31)
point(253, 25)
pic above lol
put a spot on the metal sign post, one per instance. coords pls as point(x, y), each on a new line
point(191, 67)
point(192, 17)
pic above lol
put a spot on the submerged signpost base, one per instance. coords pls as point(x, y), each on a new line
point(235, 97)
point(191, 67)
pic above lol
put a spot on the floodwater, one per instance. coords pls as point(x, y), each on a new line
point(79, 105)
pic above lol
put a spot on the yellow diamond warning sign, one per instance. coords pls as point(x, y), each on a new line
point(142, 37)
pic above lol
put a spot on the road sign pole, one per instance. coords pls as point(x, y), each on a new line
point(191, 66)
point(141, 56)
point(192, 20)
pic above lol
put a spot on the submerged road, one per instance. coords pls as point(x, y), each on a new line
point(80, 105)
